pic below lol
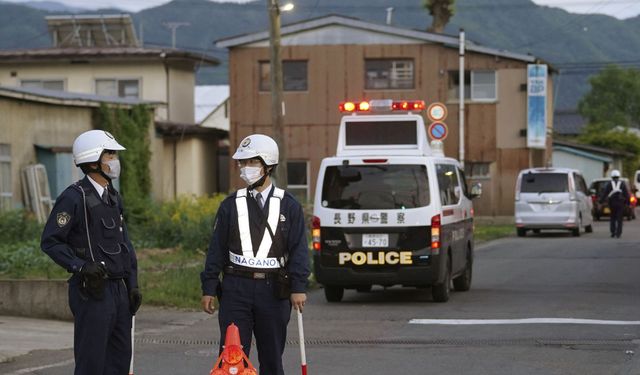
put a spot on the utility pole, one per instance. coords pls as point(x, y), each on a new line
point(277, 104)
point(173, 26)
point(462, 95)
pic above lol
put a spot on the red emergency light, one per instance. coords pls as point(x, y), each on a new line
point(382, 105)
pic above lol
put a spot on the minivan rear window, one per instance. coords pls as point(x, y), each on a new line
point(544, 183)
point(360, 187)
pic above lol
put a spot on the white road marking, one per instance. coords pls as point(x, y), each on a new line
point(32, 369)
point(524, 321)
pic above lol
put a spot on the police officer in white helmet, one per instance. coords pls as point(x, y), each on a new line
point(259, 245)
point(85, 234)
point(618, 198)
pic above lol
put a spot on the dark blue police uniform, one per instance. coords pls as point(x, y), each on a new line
point(102, 336)
point(248, 294)
point(617, 200)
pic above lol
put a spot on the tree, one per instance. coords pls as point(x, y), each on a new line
point(614, 139)
point(614, 98)
point(441, 11)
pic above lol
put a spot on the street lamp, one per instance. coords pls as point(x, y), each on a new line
point(277, 104)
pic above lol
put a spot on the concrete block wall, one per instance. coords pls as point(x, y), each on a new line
point(46, 299)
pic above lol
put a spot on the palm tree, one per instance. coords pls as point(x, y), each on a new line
point(441, 11)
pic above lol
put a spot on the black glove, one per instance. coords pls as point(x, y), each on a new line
point(93, 275)
point(135, 300)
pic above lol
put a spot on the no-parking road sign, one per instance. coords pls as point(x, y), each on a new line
point(438, 130)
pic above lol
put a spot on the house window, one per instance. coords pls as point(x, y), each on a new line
point(123, 88)
point(477, 170)
point(294, 75)
point(388, 74)
point(298, 179)
point(483, 85)
point(49, 84)
point(479, 85)
point(6, 191)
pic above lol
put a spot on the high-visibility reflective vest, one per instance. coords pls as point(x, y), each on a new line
point(269, 256)
point(615, 187)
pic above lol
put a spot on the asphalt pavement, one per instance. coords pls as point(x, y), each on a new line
point(372, 333)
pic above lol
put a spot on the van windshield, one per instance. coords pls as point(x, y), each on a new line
point(375, 187)
point(545, 183)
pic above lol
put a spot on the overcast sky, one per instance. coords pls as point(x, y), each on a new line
point(617, 8)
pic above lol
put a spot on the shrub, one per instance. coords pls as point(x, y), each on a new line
point(18, 226)
point(186, 222)
point(25, 259)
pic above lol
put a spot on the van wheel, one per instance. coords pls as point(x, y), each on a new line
point(440, 292)
point(521, 232)
point(462, 283)
point(588, 229)
point(333, 293)
point(364, 289)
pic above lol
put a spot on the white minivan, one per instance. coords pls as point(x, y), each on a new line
point(390, 211)
point(552, 198)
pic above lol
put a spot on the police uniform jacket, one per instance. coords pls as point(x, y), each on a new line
point(619, 198)
point(65, 240)
point(290, 241)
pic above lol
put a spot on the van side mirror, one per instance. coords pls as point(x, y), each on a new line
point(476, 190)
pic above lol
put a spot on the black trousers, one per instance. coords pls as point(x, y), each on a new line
point(102, 330)
point(615, 220)
point(252, 306)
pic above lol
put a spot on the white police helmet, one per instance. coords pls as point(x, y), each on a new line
point(615, 173)
point(89, 145)
point(258, 145)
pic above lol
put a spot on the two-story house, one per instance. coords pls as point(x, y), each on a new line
point(100, 55)
point(334, 58)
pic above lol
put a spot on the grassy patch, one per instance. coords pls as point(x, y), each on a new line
point(483, 233)
point(170, 277)
point(25, 260)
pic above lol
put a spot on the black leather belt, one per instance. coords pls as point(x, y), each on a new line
point(248, 274)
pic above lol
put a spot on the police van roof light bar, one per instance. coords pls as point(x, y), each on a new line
point(382, 105)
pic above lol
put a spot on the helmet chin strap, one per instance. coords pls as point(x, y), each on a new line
point(99, 170)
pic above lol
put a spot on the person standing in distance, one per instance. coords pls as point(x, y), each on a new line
point(259, 244)
point(618, 197)
point(85, 234)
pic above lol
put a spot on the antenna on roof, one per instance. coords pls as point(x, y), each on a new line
point(389, 15)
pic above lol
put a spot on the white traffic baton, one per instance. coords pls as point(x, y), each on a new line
point(133, 333)
point(303, 355)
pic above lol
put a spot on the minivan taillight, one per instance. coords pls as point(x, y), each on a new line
point(435, 235)
point(315, 233)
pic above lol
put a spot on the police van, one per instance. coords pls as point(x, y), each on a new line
point(389, 209)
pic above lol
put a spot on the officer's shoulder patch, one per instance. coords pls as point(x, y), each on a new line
point(63, 219)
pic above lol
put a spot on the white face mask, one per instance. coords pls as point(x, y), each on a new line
point(250, 175)
point(114, 168)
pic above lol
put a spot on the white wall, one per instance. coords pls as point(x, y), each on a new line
point(591, 169)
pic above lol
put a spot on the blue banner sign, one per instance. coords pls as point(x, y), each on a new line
point(536, 106)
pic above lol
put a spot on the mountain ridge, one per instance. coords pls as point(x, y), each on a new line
point(577, 45)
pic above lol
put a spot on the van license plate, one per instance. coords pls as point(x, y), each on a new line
point(375, 240)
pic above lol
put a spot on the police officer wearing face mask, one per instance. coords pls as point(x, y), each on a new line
point(618, 197)
point(86, 235)
point(259, 245)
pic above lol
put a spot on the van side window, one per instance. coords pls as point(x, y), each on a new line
point(463, 183)
point(580, 184)
point(448, 184)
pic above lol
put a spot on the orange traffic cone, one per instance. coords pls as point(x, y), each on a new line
point(232, 359)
